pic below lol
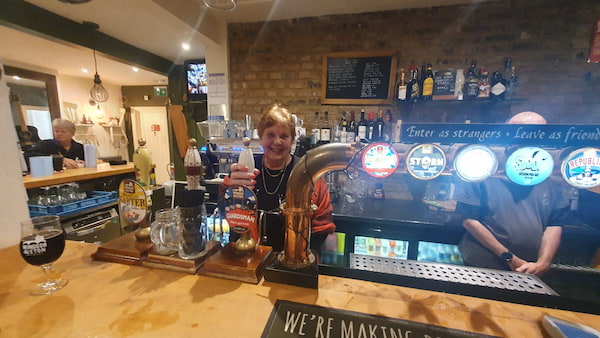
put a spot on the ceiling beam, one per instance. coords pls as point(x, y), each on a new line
point(23, 16)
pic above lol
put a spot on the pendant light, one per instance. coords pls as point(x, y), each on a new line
point(221, 5)
point(98, 92)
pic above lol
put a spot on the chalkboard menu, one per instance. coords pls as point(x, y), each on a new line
point(358, 78)
point(444, 85)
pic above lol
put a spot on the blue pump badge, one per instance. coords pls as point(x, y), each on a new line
point(529, 166)
point(581, 168)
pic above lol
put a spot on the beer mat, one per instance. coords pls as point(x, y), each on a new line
point(174, 263)
point(127, 250)
point(291, 319)
point(227, 264)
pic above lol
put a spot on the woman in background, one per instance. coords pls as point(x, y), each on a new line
point(62, 144)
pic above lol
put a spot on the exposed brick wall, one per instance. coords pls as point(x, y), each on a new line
point(548, 40)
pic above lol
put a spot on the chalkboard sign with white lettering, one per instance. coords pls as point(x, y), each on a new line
point(289, 319)
point(358, 78)
point(444, 84)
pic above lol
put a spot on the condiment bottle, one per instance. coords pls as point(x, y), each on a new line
point(142, 161)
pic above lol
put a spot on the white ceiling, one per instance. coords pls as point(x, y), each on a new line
point(160, 26)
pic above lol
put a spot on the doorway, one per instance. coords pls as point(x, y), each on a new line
point(151, 123)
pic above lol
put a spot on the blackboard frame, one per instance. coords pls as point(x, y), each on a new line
point(360, 57)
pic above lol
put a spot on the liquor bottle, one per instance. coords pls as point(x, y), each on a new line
point(325, 135)
point(379, 127)
point(387, 128)
point(402, 86)
point(472, 83)
point(413, 89)
point(362, 126)
point(343, 129)
point(315, 131)
point(371, 125)
point(193, 165)
point(459, 84)
point(142, 162)
point(511, 80)
point(246, 156)
point(351, 129)
point(428, 81)
point(498, 87)
point(484, 84)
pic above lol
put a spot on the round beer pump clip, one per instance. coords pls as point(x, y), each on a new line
point(529, 166)
point(425, 161)
point(475, 163)
point(581, 168)
point(380, 160)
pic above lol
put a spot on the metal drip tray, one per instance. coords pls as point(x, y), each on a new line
point(499, 279)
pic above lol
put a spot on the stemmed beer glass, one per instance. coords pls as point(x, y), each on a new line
point(43, 242)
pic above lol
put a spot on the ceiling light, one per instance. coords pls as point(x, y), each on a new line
point(185, 46)
point(98, 92)
point(135, 69)
point(84, 70)
point(16, 77)
point(221, 5)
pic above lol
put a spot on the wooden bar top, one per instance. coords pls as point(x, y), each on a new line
point(73, 175)
point(106, 299)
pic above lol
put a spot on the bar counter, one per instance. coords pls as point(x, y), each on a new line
point(74, 175)
point(114, 300)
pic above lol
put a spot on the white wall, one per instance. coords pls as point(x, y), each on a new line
point(76, 90)
point(13, 198)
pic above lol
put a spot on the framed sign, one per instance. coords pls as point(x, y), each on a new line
point(358, 78)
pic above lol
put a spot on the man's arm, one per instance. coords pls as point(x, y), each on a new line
point(548, 248)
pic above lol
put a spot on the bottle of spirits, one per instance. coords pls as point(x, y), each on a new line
point(351, 129)
point(315, 131)
point(428, 82)
point(371, 125)
point(472, 83)
point(387, 127)
point(498, 87)
point(459, 84)
point(325, 135)
point(402, 86)
point(511, 81)
point(342, 129)
point(362, 126)
point(484, 84)
point(413, 89)
point(379, 127)
point(193, 165)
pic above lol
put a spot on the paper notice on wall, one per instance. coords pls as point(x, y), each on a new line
point(217, 84)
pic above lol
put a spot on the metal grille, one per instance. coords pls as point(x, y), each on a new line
point(507, 280)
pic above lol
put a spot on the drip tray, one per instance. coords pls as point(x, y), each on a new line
point(499, 279)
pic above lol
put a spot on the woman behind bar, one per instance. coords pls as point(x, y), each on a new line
point(62, 144)
point(277, 132)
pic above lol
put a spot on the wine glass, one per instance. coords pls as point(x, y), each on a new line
point(43, 242)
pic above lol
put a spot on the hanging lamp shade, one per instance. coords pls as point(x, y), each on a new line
point(221, 5)
point(98, 93)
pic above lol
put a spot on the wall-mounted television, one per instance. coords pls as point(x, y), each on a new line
point(197, 80)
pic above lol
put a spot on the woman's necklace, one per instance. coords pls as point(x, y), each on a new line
point(279, 172)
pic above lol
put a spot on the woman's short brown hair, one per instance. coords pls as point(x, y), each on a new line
point(276, 114)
